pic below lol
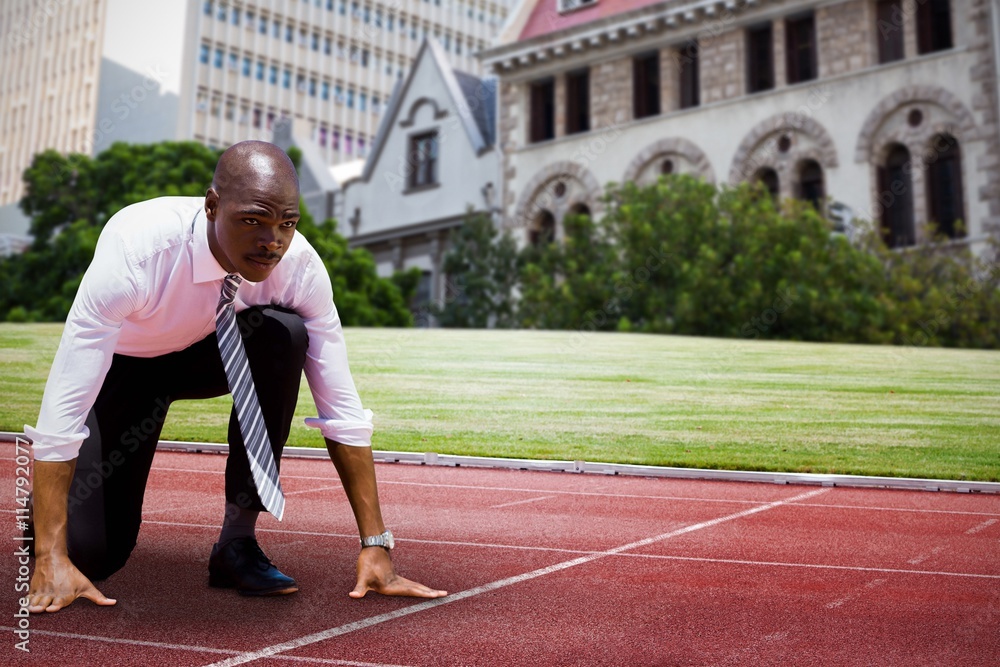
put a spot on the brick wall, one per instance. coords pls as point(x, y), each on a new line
point(722, 67)
point(611, 93)
point(843, 36)
point(669, 80)
point(509, 135)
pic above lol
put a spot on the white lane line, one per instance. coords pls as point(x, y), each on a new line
point(195, 649)
point(736, 501)
point(983, 526)
point(869, 508)
point(814, 566)
point(320, 488)
point(492, 586)
point(855, 594)
point(130, 642)
point(519, 502)
point(922, 557)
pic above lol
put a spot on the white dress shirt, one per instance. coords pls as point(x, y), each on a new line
point(152, 289)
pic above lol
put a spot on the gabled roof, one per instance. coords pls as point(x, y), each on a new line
point(474, 98)
point(534, 18)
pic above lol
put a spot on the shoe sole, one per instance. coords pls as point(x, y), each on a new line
point(221, 581)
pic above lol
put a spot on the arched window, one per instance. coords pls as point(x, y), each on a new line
point(811, 184)
point(580, 209)
point(944, 186)
point(769, 177)
point(544, 229)
point(896, 197)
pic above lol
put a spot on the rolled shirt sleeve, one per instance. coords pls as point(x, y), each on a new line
point(108, 292)
point(342, 418)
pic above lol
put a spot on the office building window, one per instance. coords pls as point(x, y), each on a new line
point(646, 85)
point(889, 30)
point(203, 54)
point(543, 110)
point(800, 34)
point(262, 25)
point(688, 75)
point(933, 26)
point(218, 58)
point(578, 101)
point(273, 75)
point(247, 66)
point(325, 91)
point(760, 58)
point(286, 79)
point(423, 157)
point(260, 70)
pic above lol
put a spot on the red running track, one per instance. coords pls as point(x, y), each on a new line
point(547, 569)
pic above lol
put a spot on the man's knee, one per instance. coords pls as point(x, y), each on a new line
point(95, 557)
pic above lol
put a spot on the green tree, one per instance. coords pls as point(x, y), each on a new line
point(481, 265)
point(362, 297)
point(574, 283)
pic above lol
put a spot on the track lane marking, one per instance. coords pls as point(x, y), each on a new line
point(627, 496)
point(519, 502)
point(330, 633)
point(195, 649)
point(814, 566)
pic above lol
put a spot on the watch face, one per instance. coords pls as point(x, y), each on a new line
point(390, 543)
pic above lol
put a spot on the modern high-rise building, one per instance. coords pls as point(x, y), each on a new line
point(78, 75)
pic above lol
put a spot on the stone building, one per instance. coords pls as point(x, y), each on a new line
point(884, 110)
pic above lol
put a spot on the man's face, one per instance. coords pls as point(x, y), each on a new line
point(250, 227)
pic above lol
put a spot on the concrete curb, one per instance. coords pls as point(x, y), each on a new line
point(455, 461)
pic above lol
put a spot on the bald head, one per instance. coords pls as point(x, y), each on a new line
point(253, 164)
point(252, 208)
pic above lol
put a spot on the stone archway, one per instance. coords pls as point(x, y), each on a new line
point(557, 188)
point(691, 160)
point(782, 142)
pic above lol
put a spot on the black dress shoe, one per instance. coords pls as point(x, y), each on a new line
point(240, 564)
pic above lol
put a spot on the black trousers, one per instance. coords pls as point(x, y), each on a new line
point(106, 495)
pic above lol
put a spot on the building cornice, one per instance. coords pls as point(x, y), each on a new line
point(676, 16)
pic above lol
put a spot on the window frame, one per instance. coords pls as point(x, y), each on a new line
point(801, 58)
point(578, 101)
point(646, 79)
point(423, 173)
point(541, 110)
point(760, 61)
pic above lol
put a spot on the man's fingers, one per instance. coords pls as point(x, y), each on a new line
point(404, 586)
point(40, 604)
point(97, 597)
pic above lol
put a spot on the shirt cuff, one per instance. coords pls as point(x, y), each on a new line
point(49, 447)
point(345, 432)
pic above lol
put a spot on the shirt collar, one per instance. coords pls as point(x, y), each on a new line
point(206, 267)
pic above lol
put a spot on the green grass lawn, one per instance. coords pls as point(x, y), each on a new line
point(627, 398)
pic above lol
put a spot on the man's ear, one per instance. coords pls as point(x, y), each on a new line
point(211, 204)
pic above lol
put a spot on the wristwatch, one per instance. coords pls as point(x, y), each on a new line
point(384, 540)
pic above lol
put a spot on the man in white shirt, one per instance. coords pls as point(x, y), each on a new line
point(141, 334)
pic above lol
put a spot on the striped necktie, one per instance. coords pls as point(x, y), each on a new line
point(255, 439)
